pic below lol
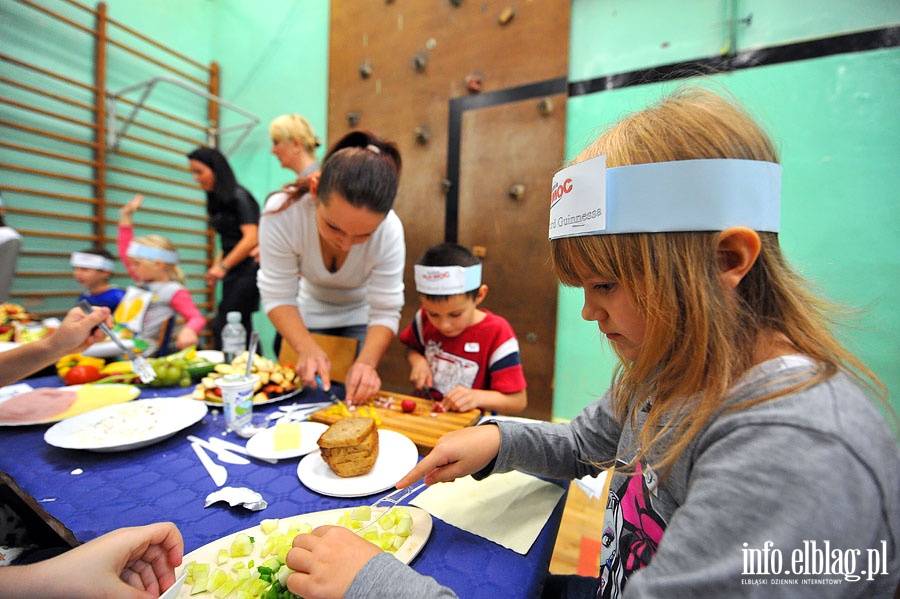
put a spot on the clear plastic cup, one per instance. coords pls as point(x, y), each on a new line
point(237, 402)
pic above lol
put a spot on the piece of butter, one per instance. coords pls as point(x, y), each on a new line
point(287, 436)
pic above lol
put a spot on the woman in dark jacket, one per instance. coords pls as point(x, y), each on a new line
point(234, 215)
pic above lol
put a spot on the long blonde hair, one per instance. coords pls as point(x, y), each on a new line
point(697, 342)
point(158, 241)
point(294, 127)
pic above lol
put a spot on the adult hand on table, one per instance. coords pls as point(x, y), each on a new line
point(362, 382)
point(326, 561)
point(314, 361)
point(456, 454)
point(128, 563)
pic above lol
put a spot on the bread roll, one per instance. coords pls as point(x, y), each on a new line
point(350, 446)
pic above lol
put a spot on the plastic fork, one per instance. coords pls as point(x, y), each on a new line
point(139, 363)
point(394, 498)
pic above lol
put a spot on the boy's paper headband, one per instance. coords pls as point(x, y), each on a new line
point(147, 252)
point(685, 195)
point(447, 280)
point(84, 260)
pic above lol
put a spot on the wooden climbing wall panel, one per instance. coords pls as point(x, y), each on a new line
point(474, 95)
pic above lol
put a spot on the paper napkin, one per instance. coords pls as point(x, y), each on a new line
point(509, 509)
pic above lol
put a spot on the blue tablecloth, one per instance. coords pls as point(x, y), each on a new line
point(92, 493)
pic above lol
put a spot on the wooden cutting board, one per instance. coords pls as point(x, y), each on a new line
point(423, 426)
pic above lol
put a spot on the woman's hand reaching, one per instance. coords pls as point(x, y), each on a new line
point(314, 361)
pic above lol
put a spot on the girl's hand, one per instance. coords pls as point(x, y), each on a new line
point(362, 383)
point(326, 561)
point(461, 399)
point(186, 338)
point(128, 209)
point(456, 454)
point(137, 563)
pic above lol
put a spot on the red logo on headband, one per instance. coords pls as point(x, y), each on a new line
point(560, 190)
point(436, 276)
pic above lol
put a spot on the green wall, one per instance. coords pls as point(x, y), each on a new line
point(273, 56)
point(834, 120)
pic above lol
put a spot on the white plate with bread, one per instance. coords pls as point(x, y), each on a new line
point(396, 455)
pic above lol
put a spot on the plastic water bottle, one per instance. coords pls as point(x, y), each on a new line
point(234, 336)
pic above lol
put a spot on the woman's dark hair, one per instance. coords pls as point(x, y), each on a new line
point(362, 167)
point(225, 181)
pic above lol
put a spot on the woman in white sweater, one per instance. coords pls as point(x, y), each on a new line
point(336, 229)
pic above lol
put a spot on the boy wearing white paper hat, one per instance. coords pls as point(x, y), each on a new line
point(468, 355)
point(92, 268)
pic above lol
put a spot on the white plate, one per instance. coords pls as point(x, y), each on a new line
point(8, 345)
point(126, 426)
point(211, 355)
point(262, 444)
point(421, 530)
point(396, 456)
point(87, 398)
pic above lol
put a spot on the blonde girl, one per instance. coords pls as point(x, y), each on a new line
point(737, 429)
point(152, 261)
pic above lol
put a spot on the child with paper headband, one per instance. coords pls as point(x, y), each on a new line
point(152, 262)
point(92, 268)
point(736, 425)
point(468, 355)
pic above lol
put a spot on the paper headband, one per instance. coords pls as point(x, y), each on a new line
point(84, 260)
point(146, 252)
point(685, 195)
point(447, 280)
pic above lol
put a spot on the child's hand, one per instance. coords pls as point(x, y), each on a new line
point(420, 373)
point(456, 454)
point(461, 399)
point(326, 561)
point(186, 338)
point(128, 209)
point(128, 562)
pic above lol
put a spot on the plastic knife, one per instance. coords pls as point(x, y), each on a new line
point(216, 471)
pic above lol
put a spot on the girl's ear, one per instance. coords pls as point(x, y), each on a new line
point(314, 185)
point(482, 293)
point(736, 252)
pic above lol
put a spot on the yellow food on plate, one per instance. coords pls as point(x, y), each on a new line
point(287, 436)
point(251, 563)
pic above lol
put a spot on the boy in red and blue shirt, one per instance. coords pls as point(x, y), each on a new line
point(469, 355)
